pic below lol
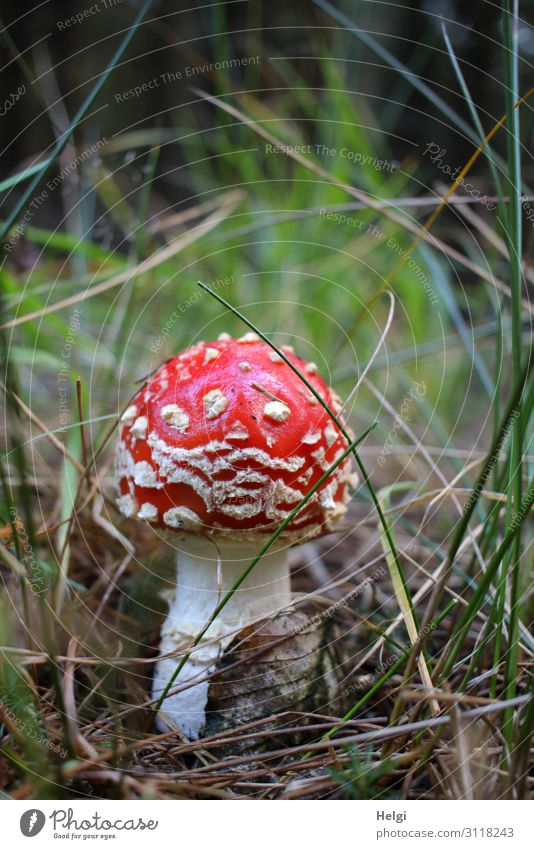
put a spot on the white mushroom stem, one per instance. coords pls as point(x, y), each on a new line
point(200, 585)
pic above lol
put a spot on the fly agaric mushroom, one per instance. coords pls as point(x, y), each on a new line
point(220, 445)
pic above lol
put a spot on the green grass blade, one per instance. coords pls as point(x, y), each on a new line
point(488, 153)
point(387, 675)
point(441, 105)
point(470, 611)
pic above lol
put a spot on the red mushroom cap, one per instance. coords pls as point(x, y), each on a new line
point(225, 439)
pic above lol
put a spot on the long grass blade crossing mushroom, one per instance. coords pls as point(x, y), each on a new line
point(220, 445)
